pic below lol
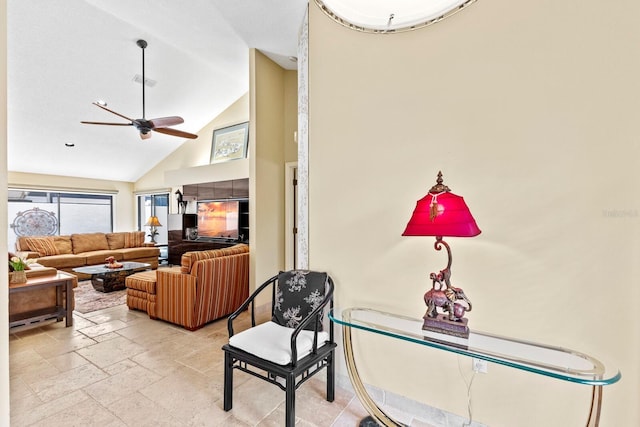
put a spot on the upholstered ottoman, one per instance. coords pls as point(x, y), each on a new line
point(141, 292)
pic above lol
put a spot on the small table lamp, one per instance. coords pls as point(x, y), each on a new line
point(441, 213)
point(153, 222)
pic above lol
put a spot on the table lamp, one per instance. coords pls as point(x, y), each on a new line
point(443, 214)
point(153, 222)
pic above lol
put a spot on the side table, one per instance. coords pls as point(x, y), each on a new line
point(61, 281)
point(549, 361)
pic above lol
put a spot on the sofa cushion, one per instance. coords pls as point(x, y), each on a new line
point(98, 257)
point(144, 281)
point(87, 242)
point(134, 239)
point(189, 258)
point(63, 261)
point(44, 245)
point(138, 253)
point(63, 244)
point(115, 240)
point(272, 342)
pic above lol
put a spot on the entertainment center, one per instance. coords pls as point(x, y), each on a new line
point(221, 218)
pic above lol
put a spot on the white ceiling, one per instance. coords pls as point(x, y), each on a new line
point(65, 54)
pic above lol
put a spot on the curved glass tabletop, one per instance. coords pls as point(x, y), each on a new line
point(550, 361)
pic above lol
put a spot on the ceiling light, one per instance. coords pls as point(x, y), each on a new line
point(388, 16)
point(69, 144)
point(101, 102)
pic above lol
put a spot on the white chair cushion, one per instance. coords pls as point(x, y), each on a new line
point(272, 342)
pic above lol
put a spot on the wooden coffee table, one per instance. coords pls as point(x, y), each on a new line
point(106, 279)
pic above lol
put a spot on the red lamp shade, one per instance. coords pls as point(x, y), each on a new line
point(442, 214)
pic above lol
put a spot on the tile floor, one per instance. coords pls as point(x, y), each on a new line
point(116, 367)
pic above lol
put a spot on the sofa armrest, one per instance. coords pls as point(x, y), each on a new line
point(176, 297)
point(29, 254)
point(40, 272)
point(223, 284)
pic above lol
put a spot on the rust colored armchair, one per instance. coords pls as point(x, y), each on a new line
point(207, 286)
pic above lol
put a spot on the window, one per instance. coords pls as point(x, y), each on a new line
point(154, 205)
point(42, 212)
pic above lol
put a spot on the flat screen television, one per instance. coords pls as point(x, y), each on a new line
point(218, 219)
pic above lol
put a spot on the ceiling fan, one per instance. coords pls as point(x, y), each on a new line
point(145, 126)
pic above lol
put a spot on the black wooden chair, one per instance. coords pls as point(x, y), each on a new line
point(292, 347)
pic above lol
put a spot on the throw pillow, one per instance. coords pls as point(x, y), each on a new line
point(45, 246)
point(134, 239)
point(63, 244)
point(116, 240)
point(298, 293)
point(87, 242)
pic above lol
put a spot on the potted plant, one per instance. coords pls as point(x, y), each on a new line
point(19, 265)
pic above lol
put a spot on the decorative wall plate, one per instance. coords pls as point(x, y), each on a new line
point(35, 222)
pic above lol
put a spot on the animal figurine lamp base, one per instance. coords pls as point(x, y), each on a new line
point(440, 324)
point(452, 302)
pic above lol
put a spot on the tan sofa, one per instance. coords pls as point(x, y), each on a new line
point(78, 250)
point(207, 285)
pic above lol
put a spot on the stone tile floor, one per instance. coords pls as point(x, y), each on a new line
point(117, 367)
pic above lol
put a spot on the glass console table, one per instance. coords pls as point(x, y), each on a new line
point(554, 362)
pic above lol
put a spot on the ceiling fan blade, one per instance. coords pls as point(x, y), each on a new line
point(163, 122)
point(111, 111)
point(176, 132)
point(106, 123)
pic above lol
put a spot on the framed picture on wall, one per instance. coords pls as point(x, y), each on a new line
point(230, 143)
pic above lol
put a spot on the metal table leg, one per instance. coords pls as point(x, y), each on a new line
point(376, 414)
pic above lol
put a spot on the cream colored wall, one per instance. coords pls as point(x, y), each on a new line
point(266, 183)
point(125, 207)
point(531, 114)
point(4, 296)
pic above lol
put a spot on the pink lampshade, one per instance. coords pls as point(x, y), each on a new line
point(441, 213)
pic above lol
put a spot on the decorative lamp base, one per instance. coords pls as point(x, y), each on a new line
point(441, 324)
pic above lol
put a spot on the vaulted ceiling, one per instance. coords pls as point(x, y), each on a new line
point(65, 54)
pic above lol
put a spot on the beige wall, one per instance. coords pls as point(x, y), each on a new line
point(266, 183)
point(4, 296)
point(530, 111)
